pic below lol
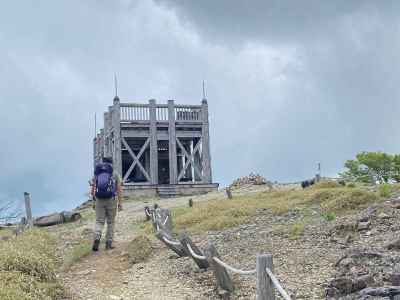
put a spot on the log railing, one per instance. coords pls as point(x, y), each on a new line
point(266, 281)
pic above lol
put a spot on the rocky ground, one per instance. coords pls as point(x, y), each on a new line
point(351, 257)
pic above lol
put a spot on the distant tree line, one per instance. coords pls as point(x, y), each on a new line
point(373, 167)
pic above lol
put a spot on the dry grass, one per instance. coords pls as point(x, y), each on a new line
point(27, 267)
point(324, 184)
point(139, 249)
point(218, 214)
point(83, 249)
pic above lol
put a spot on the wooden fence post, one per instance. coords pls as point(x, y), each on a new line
point(178, 249)
point(28, 209)
point(265, 288)
point(185, 240)
point(164, 218)
point(220, 273)
point(147, 213)
point(229, 193)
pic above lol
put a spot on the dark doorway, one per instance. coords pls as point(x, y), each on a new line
point(163, 162)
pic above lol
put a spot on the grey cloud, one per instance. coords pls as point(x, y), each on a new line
point(288, 85)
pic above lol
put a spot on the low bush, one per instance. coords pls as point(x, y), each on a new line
point(385, 190)
point(329, 216)
point(139, 249)
point(27, 268)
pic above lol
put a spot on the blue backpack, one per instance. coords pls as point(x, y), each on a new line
point(105, 183)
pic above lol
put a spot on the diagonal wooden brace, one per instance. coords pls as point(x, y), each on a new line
point(136, 159)
point(190, 159)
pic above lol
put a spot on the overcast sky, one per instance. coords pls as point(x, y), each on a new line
point(289, 83)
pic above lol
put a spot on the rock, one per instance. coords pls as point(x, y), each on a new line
point(347, 285)
point(394, 279)
point(395, 245)
point(389, 291)
point(363, 225)
point(362, 282)
point(346, 262)
point(345, 227)
point(349, 239)
point(252, 179)
point(383, 216)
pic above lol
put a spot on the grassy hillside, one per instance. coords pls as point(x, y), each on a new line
point(328, 198)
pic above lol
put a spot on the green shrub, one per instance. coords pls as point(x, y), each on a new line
point(385, 190)
point(329, 216)
point(297, 229)
point(351, 185)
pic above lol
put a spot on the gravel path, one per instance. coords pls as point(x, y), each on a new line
point(304, 264)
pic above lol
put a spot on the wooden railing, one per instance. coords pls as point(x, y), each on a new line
point(162, 113)
point(266, 281)
point(141, 112)
point(187, 113)
point(135, 112)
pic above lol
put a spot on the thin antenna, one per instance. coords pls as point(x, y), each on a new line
point(116, 85)
point(204, 90)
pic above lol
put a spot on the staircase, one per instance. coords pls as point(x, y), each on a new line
point(168, 191)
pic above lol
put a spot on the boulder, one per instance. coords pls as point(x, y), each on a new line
point(346, 285)
point(361, 226)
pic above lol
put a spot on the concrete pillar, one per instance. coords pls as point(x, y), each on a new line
point(116, 121)
point(206, 160)
point(173, 177)
point(153, 142)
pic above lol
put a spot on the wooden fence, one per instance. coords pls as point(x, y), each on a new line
point(266, 281)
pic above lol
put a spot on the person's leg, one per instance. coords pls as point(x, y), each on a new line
point(110, 217)
point(100, 220)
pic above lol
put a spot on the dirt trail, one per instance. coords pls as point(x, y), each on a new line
point(108, 274)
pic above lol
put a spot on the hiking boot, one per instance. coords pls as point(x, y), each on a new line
point(96, 244)
point(109, 245)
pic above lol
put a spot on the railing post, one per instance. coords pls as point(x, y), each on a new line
point(172, 143)
point(153, 142)
point(205, 139)
point(28, 209)
point(265, 288)
point(223, 279)
point(185, 241)
point(116, 120)
point(229, 192)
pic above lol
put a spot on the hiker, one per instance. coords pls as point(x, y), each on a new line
point(107, 196)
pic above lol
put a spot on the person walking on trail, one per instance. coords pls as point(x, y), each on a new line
point(107, 196)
